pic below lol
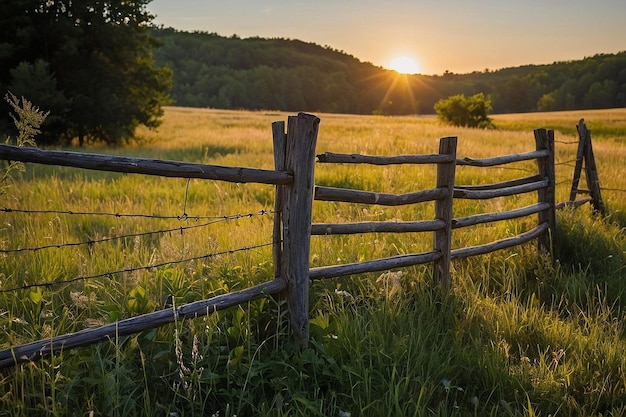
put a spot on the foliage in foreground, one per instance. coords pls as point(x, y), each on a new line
point(517, 336)
point(27, 119)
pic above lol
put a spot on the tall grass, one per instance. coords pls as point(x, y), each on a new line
point(518, 334)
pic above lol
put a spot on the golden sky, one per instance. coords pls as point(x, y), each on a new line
point(460, 36)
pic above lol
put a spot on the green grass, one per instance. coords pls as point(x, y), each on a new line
point(517, 335)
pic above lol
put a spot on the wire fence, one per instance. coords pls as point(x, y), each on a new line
point(110, 274)
point(91, 242)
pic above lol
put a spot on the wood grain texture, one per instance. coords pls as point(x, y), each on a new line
point(158, 167)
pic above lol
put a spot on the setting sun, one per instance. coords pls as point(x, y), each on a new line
point(404, 65)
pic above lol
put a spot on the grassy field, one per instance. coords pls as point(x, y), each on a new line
point(517, 335)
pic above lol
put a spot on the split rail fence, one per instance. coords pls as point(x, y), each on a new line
point(295, 191)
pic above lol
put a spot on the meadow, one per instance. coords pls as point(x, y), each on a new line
point(516, 335)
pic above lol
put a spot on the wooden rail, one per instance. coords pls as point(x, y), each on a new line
point(172, 169)
point(36, 350)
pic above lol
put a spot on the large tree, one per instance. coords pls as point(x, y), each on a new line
point(89, 62)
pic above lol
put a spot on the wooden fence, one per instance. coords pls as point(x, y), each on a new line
point(293, 177)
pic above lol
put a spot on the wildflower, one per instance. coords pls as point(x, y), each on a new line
point(343, 293)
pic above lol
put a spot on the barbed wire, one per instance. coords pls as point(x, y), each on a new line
point(184, 216)
point(574, 142)
point(613, 189)
point(110, 274)
point(180, 229)
point(565, 181)
point(566, 163)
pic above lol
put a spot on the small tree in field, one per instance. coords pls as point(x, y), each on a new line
point(464, 111)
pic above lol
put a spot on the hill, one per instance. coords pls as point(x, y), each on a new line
point(285, 74)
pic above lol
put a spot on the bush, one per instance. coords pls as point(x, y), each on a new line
point(459, 110)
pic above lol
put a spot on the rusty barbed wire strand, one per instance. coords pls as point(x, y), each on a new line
point(613, 189)
point(101, 213)
point(180, 229)
point(110, 274)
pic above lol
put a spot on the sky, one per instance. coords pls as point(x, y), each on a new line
point(459, 36)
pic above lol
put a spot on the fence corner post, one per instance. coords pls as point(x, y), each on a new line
point(443, 211)
point(297, 215)
point(544, 140)
point(591, 171)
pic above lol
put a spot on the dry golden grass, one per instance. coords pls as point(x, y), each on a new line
point(243, 138)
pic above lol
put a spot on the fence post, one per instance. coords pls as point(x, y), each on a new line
point(443, 211)
point(585, 150)
point(544, 140)
point(296, 215)
point(280, 141)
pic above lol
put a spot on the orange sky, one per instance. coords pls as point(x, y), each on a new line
point(455, 35)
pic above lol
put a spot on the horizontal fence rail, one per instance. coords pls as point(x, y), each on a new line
point(376, 265)
point(36, 350)
point(500, 192)
point(172, 169)
point(377, 227)
point(502, 215)
point(503, 160)
point(367, 197)
point(498, 185)
point(338, 158)
point(501, 244)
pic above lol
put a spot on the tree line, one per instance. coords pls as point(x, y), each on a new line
point(284, 74)
point(99, 69)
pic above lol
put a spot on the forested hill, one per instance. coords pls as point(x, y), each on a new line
point(283, 74)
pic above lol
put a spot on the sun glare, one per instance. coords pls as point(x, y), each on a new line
point(404, 65)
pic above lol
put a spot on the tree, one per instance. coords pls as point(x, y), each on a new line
point(89, 62)
point(459, 110)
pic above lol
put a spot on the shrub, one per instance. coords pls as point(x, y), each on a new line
point(462, 111)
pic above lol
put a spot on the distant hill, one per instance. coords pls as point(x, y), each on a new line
point(284, 74)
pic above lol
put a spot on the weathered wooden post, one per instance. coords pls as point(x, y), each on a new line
point(585, 152)
point(296, 220)
point(280, 142)
point(544, 140)
point(443, 211)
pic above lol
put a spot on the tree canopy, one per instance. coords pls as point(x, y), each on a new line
point(89, 63)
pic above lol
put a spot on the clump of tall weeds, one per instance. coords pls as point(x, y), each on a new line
point(27, 119)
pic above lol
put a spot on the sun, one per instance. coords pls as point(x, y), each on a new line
point(404, 65)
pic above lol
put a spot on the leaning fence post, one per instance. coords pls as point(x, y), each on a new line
point(544, 140)
point(591, 171)
point(297, 208)
point(443, 211)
